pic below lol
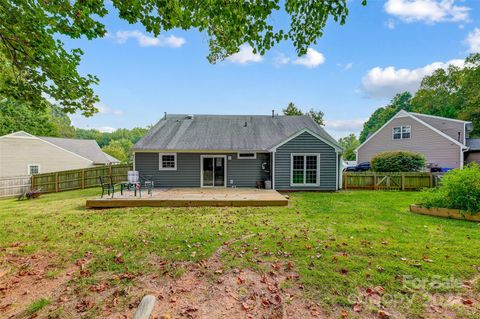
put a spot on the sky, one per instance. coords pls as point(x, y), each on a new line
point(384, 48)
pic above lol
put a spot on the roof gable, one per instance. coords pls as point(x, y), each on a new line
point(88, 149)
point(403, 113)
point(226, 132)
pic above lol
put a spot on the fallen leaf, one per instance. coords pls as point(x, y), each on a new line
point(357, 307)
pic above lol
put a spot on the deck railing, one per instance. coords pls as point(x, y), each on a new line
point(388, 181)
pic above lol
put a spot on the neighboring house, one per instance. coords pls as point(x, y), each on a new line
point(444, 142)
point(24, 154)
point(292, 152)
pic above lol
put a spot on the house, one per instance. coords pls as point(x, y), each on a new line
point(24, 154)
point(290, 152)
point(445, 142)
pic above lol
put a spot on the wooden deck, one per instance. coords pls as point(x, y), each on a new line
point(194, 197)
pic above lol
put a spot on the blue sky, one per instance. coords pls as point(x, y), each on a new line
point(385, 47)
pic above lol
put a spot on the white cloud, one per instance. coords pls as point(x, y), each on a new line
point(245, 55)
point(346, 66)
point(106, 129)
point(428, 11)
point(341, 128)
point(312, 59)
point(281, 59)
point(386, 82)
point(103, 109)
point(473, 41)
point(143, 40)
point(390, 24)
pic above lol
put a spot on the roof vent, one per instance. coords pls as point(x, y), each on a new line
point(190, 116)
point(245, 125)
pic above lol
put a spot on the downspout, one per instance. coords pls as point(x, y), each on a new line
point(133, 160)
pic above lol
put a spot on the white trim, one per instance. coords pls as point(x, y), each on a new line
point(160, 168)
point(246, 158)
point(462, 158)
point(28, 168)
point(439, 117)
point(403, 113)
point(317, 155)
point(273, 170)
point(305, 130)
point(224, 170)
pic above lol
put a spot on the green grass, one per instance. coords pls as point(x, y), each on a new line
point(37, 306)
point(339, 242)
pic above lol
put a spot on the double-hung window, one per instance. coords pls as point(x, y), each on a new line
point(305, 169)
point(168, 161)
point(401, 132)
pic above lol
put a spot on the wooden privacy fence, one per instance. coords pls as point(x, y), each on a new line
point(78, 178)
point(387, 181)
point(14, 185)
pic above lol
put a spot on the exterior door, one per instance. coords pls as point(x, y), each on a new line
point(213, 171)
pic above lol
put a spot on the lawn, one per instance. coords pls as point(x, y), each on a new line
point(350, 254)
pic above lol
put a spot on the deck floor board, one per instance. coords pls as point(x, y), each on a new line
point(193, 197)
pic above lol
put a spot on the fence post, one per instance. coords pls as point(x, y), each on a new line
point(83, 178)
point(430, 181)
point(374, 181)
point(403, 181)
point(56, 182)
point(110, 170)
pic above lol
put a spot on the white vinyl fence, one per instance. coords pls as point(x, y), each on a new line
point(14, 185)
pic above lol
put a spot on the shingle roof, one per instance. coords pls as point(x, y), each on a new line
point(85, 148)
point(226, 132)
point(473, 144)
point(110, 158)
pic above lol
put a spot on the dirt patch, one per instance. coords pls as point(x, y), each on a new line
point(25, 279)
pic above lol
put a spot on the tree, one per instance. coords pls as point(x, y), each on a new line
point(30, 33)
point(293, 110)
point(349, 144)
point(317, 116)
point(453, 93)
point(120, 149)
point(382, 115)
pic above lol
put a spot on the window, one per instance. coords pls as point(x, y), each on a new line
point(305, 169)
point(33, 169)
point(401, 132)
point(247, 155)
point(168, 161)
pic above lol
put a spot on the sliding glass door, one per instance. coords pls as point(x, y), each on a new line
point(213, 171)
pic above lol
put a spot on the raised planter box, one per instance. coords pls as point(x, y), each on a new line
point(444, 212)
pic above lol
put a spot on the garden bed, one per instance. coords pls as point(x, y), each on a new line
point(444, 212)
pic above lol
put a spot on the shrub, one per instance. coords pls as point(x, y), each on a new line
point(398, 161)
point(459, 189)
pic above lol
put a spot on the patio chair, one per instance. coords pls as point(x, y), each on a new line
point(107, 185)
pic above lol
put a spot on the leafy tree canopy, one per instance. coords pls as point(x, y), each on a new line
point(292, 109)
point(120, 149)
point(349, 144)
point(30, 33)
point(383, 114)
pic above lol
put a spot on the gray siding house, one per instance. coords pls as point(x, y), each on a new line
point(445, 142)
point(292, 152)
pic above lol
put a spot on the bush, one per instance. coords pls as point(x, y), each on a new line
point(398, 161)
point(459, 189)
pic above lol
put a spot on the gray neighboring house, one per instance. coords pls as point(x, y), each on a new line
point(24, 154)
point(445, 142)
point(292, 152)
